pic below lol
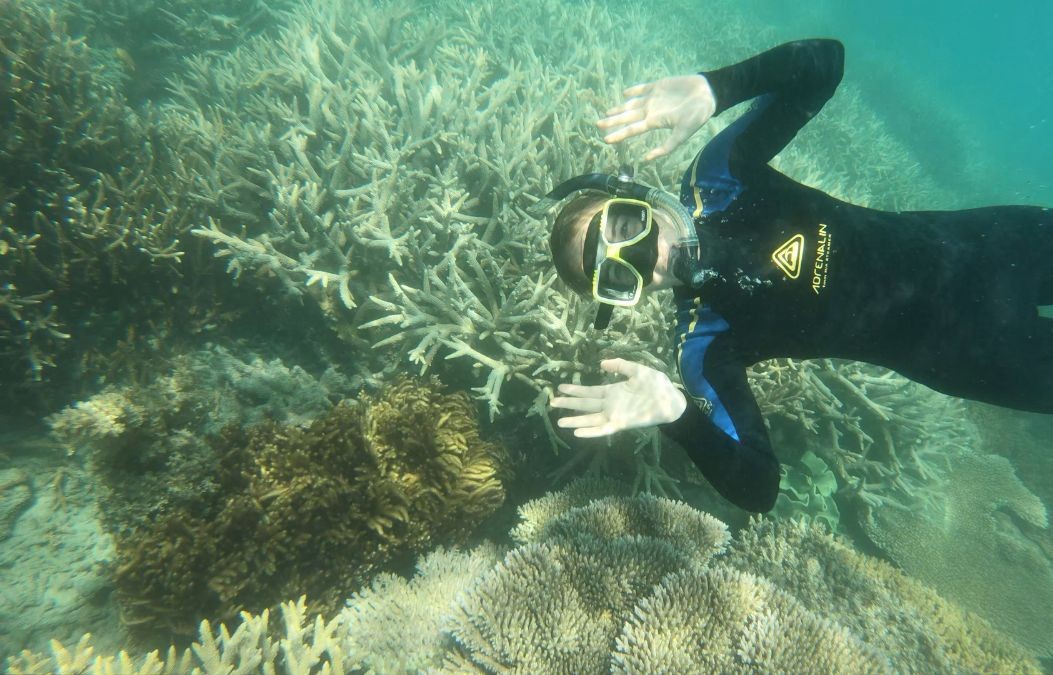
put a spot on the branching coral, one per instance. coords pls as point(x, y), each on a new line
point(359, 487)
point(886, 439)
point(82, 207)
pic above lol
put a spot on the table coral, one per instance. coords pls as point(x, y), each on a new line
point(607, 591)
point(971, 548)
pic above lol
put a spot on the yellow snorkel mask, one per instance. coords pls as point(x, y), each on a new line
point(623, 240)
point(620, 265)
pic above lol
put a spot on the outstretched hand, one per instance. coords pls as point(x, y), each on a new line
point(682, 104)
point(646, 398)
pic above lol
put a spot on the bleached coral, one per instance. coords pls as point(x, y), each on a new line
point(395, 625)
point(971, 548)
point(886, 439)
point(723, 621)
point(785, 598)
point(888, 610)
point(100, 420)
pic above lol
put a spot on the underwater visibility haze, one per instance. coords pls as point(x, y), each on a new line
point(278, 339)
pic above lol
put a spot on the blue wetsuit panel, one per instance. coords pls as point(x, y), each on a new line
point(697, 327)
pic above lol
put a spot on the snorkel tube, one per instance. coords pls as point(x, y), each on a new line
point(685, 264)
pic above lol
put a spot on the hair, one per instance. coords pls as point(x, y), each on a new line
point(565, 240)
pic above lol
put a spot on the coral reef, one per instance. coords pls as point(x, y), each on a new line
point(721, 620)
point(889, 610)
point(317, 510)
point(396, 625)
point(971, 549)
point(886, 439)
point(807, 490)
point(90, 226)
point(407, 225)
point(603, 587)
point(151, 38)
point(146, 440)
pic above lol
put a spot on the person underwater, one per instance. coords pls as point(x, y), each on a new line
point(762, 266)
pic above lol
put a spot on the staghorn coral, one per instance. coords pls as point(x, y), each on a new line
point(89, 226)
point(886, 439)
point(360, 163)
point(589, 602)
point(151, 38)
point(359, 488)
point(971, 547)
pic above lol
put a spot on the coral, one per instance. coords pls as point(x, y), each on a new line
point(96, 421)
point(808, 493)
point(722, 620)
point(556, 606)
point(395, 625)
point(538, 514)
point(689, 530)
point(971, 547)
point(884, 607)
point(151, 39)
point(886, 439)
point(407, 226)
point(359, 488)
point(785, 598)
point(89, 227)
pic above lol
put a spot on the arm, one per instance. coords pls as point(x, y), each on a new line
point(793, 81)
point(722, 431)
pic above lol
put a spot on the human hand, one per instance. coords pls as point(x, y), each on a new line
point(645, 399)
point(682, 104)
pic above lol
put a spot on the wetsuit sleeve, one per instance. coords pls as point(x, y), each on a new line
point(793, 81)
point(722, 430)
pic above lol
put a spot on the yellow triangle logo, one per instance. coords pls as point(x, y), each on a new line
point(788, 256)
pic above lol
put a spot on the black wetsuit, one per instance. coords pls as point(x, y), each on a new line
point(949, 299)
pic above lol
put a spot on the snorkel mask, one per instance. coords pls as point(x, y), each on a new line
point(624, 237)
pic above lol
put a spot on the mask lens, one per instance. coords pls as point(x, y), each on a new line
point(625, 220)
point(618, 281)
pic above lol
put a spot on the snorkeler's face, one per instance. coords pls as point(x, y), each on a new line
point(662, 277)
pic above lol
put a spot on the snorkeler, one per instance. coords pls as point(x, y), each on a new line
point(764, 267)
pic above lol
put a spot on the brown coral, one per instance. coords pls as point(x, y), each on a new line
point(316, 510)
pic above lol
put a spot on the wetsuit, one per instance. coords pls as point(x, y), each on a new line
point(949, 299)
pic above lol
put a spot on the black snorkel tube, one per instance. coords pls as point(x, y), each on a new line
point(685, 264)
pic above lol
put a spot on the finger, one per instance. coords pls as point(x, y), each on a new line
point(660, 151)
point(623, 367)
point(631, 104)
point(671, 143)
point(581, 404)
point(622, 118)
point(627, 132)
point(582, 391)
point(597, 431)
point(580, 421)
point(638, 89)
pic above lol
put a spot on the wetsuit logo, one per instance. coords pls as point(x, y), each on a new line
point(822, 259)
point(788, 256)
